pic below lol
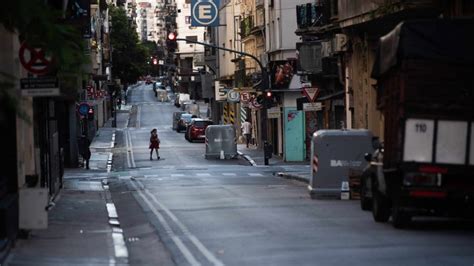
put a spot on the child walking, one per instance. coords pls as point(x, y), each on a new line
point(154, 144)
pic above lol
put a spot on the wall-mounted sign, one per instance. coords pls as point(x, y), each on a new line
point(312, 106)
point(39, 87)
point(233, 96)
point(311, 93)
point(34, 59)
point(221, 91)
point(83, 108)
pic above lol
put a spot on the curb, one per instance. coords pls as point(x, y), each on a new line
point(292, 177)
point(248, 158)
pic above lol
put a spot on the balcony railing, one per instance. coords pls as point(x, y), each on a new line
point(313, 14)
point(246, 26)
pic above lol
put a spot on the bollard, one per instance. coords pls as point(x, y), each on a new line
point(222, 157)
point(345, 192)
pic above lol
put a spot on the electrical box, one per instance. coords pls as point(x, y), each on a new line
point(33, 202)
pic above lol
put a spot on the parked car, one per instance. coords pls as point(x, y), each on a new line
point(176, 118)
point(183, 122)
point(197, 128)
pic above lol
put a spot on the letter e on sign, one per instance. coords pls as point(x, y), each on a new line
point(205, 12)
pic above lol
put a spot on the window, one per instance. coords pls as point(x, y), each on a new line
point(192, 38)
point(187, 19)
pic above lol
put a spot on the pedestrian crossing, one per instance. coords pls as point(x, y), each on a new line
point(194, 175)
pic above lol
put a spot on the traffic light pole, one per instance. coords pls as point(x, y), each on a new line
point(264, 83)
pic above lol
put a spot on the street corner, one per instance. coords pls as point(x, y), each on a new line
point(293, 176)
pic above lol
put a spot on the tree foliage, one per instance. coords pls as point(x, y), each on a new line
point(129, 57)
point(39, 25)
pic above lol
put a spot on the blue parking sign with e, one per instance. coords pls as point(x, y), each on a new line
point(205, 13)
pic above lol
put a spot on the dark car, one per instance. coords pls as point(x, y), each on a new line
point(183, 122)
point(196, 129)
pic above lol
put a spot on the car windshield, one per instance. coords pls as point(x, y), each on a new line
point(186, 117)
point(202, 123)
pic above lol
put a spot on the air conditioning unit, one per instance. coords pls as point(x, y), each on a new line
point(339, 43)
point(310, 55)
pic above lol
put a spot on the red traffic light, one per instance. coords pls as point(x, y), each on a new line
point(269, 94)
point(155, 61)
point(172, 36)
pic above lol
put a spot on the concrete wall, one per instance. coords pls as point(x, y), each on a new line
point(183, 22)
point(228, 37)
point(360, 62)
point(9, 48)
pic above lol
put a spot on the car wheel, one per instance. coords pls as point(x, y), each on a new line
point(365, 202)
point(400, 218)
point(380, 205)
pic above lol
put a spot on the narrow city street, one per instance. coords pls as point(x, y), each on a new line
point(186, 210)
point(237, 132)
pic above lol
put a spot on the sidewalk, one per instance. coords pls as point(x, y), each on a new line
point(292, 170)
point(83, 227)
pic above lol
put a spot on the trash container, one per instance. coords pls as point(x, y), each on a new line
point(221, 141)
point(336, 153)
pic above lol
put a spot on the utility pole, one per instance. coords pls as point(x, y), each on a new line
point(264, 84)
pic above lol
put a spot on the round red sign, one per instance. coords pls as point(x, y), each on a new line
point(34, 59)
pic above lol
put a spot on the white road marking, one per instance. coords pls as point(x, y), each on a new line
point(203, 174)
point(139, 115)
point(178, 175)
point(119, 244)
point(185, 230)
point(255, 174)
point(111, 210)
point(229, 174)
point(184, 250)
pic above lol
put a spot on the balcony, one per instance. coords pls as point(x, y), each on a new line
point(246, 26)
point(316, 14)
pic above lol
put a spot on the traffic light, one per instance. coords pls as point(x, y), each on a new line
point(269, 94)
point(171, 43)
point(155, 61)
point(269, 101)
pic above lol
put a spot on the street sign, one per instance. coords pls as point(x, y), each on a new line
point(34, 59)
point(312, 106)
point(221, 91)
point(311, 93)
point(233, 96)
point(254, 104)
point(244, 97)
point(38, 87)
point(83, 108)
point(205, 13)
point(273, 112)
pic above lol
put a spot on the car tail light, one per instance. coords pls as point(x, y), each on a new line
point(422, 179)
point(433, 169)
point(427, 194)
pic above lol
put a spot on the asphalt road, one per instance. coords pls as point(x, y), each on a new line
point(186, 210)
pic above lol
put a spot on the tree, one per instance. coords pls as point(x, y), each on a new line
point(40, 25)
point(129, 57)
